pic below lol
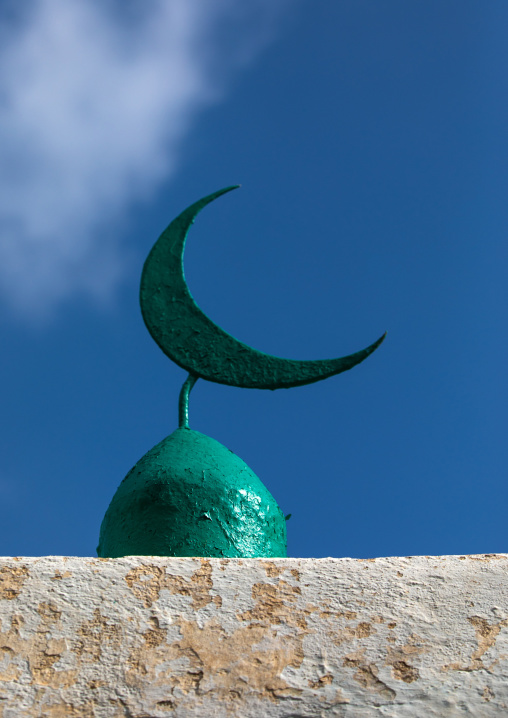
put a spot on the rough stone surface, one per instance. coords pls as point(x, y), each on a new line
point(148, 637)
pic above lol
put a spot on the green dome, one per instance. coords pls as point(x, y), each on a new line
point(190, 496)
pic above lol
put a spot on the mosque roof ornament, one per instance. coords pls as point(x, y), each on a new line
point(189, 495)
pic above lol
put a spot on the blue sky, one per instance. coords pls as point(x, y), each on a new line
point(370, 141)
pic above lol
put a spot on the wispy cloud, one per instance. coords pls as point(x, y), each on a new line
point(95, 98)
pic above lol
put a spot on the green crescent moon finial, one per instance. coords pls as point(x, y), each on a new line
point(189, 495)
point(188, 337)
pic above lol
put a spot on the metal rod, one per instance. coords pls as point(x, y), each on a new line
point(183, 401)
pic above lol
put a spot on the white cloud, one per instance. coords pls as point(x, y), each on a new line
point(95, 98)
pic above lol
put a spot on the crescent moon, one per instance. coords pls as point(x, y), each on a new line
point(188, 337)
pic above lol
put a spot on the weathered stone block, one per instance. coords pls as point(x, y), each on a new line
point(152, 637)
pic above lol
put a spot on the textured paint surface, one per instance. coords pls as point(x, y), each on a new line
point(198, 345)
point(288, 638)
point(191, 496)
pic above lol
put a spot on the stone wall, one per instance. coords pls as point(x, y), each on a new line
point(150, 637)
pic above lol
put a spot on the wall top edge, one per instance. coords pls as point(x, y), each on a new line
point(459, 557)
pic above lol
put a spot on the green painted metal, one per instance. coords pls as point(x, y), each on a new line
point(183, 401)
point(191, 496)
point(188, 337)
